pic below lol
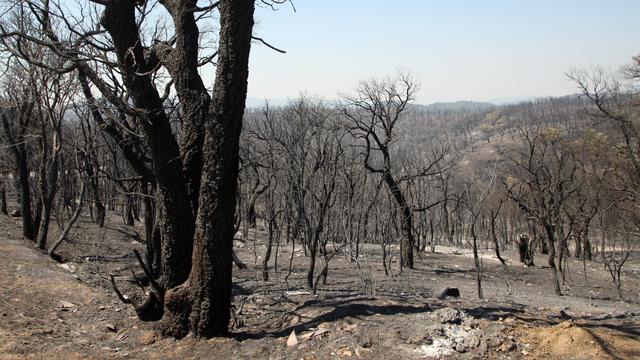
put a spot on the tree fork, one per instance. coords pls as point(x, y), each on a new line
point(202, 304)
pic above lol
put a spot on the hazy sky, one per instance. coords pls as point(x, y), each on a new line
point(458, 49)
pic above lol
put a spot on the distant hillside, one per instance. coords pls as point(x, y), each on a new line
point(254, 102)
point(455, 106)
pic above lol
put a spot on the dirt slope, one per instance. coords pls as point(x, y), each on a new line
point(68, 311)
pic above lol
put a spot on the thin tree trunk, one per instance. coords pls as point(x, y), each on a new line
point(72, 221)
point(48, 195)
point(128, 210)
point(494, 237)
point(476, 259)
point(3, 201)
point(267, 255)
point(555, 281)
point(28, 223)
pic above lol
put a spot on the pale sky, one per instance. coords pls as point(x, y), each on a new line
point(458, 49)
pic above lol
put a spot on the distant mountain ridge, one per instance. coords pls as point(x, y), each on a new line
point(455, 106)
point(254, 102)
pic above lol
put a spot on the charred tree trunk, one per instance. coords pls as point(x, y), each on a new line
point(267, 255)
point(153, 244)
point(312, 267)
point(48, 184)
point(202, 304)
point(407, 242)
point(19, 152)
point(3, 201)
point(555, 281)
point(128, 210)
point(494, 236)
point(525, 251)
point(476, 259)
point(98, 211)
point(28, 224)
point(72, 221)
point(177, 225)
point(577, 252)
point(586, 244)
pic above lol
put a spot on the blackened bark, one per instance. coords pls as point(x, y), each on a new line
point(476, 259)
point(28, 226)
point(312, 267)
point(119, 20)
point(20, 154)
point(100, 211)
point(578, 246)
point(72, 221)
point(202, 304)
point(153, 245)
point(128, 210)
point(586, 245)
point(407, 242)
point(494, 236)
point(3, 201)
point(555, 281)
point(525, 251)
point(181, 61)
point(48, 182)
point(267, 255)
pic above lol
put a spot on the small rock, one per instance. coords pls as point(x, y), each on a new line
point(350, 328)
point(147, 338)
point(507, 346)
point(448, 292)
point(292, 340)
point(66, 306)
point(428, 340)
point(68, 267)
point(111, 327)
point(566, 324)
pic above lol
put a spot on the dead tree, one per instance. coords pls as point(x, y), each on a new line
point(55, 92)
point(494, 212)
point(202, 304)
point(372, 115)
point(476, 194)
point(540, 180)
point(76, 214)
point(20, 116)
point(199, 292)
